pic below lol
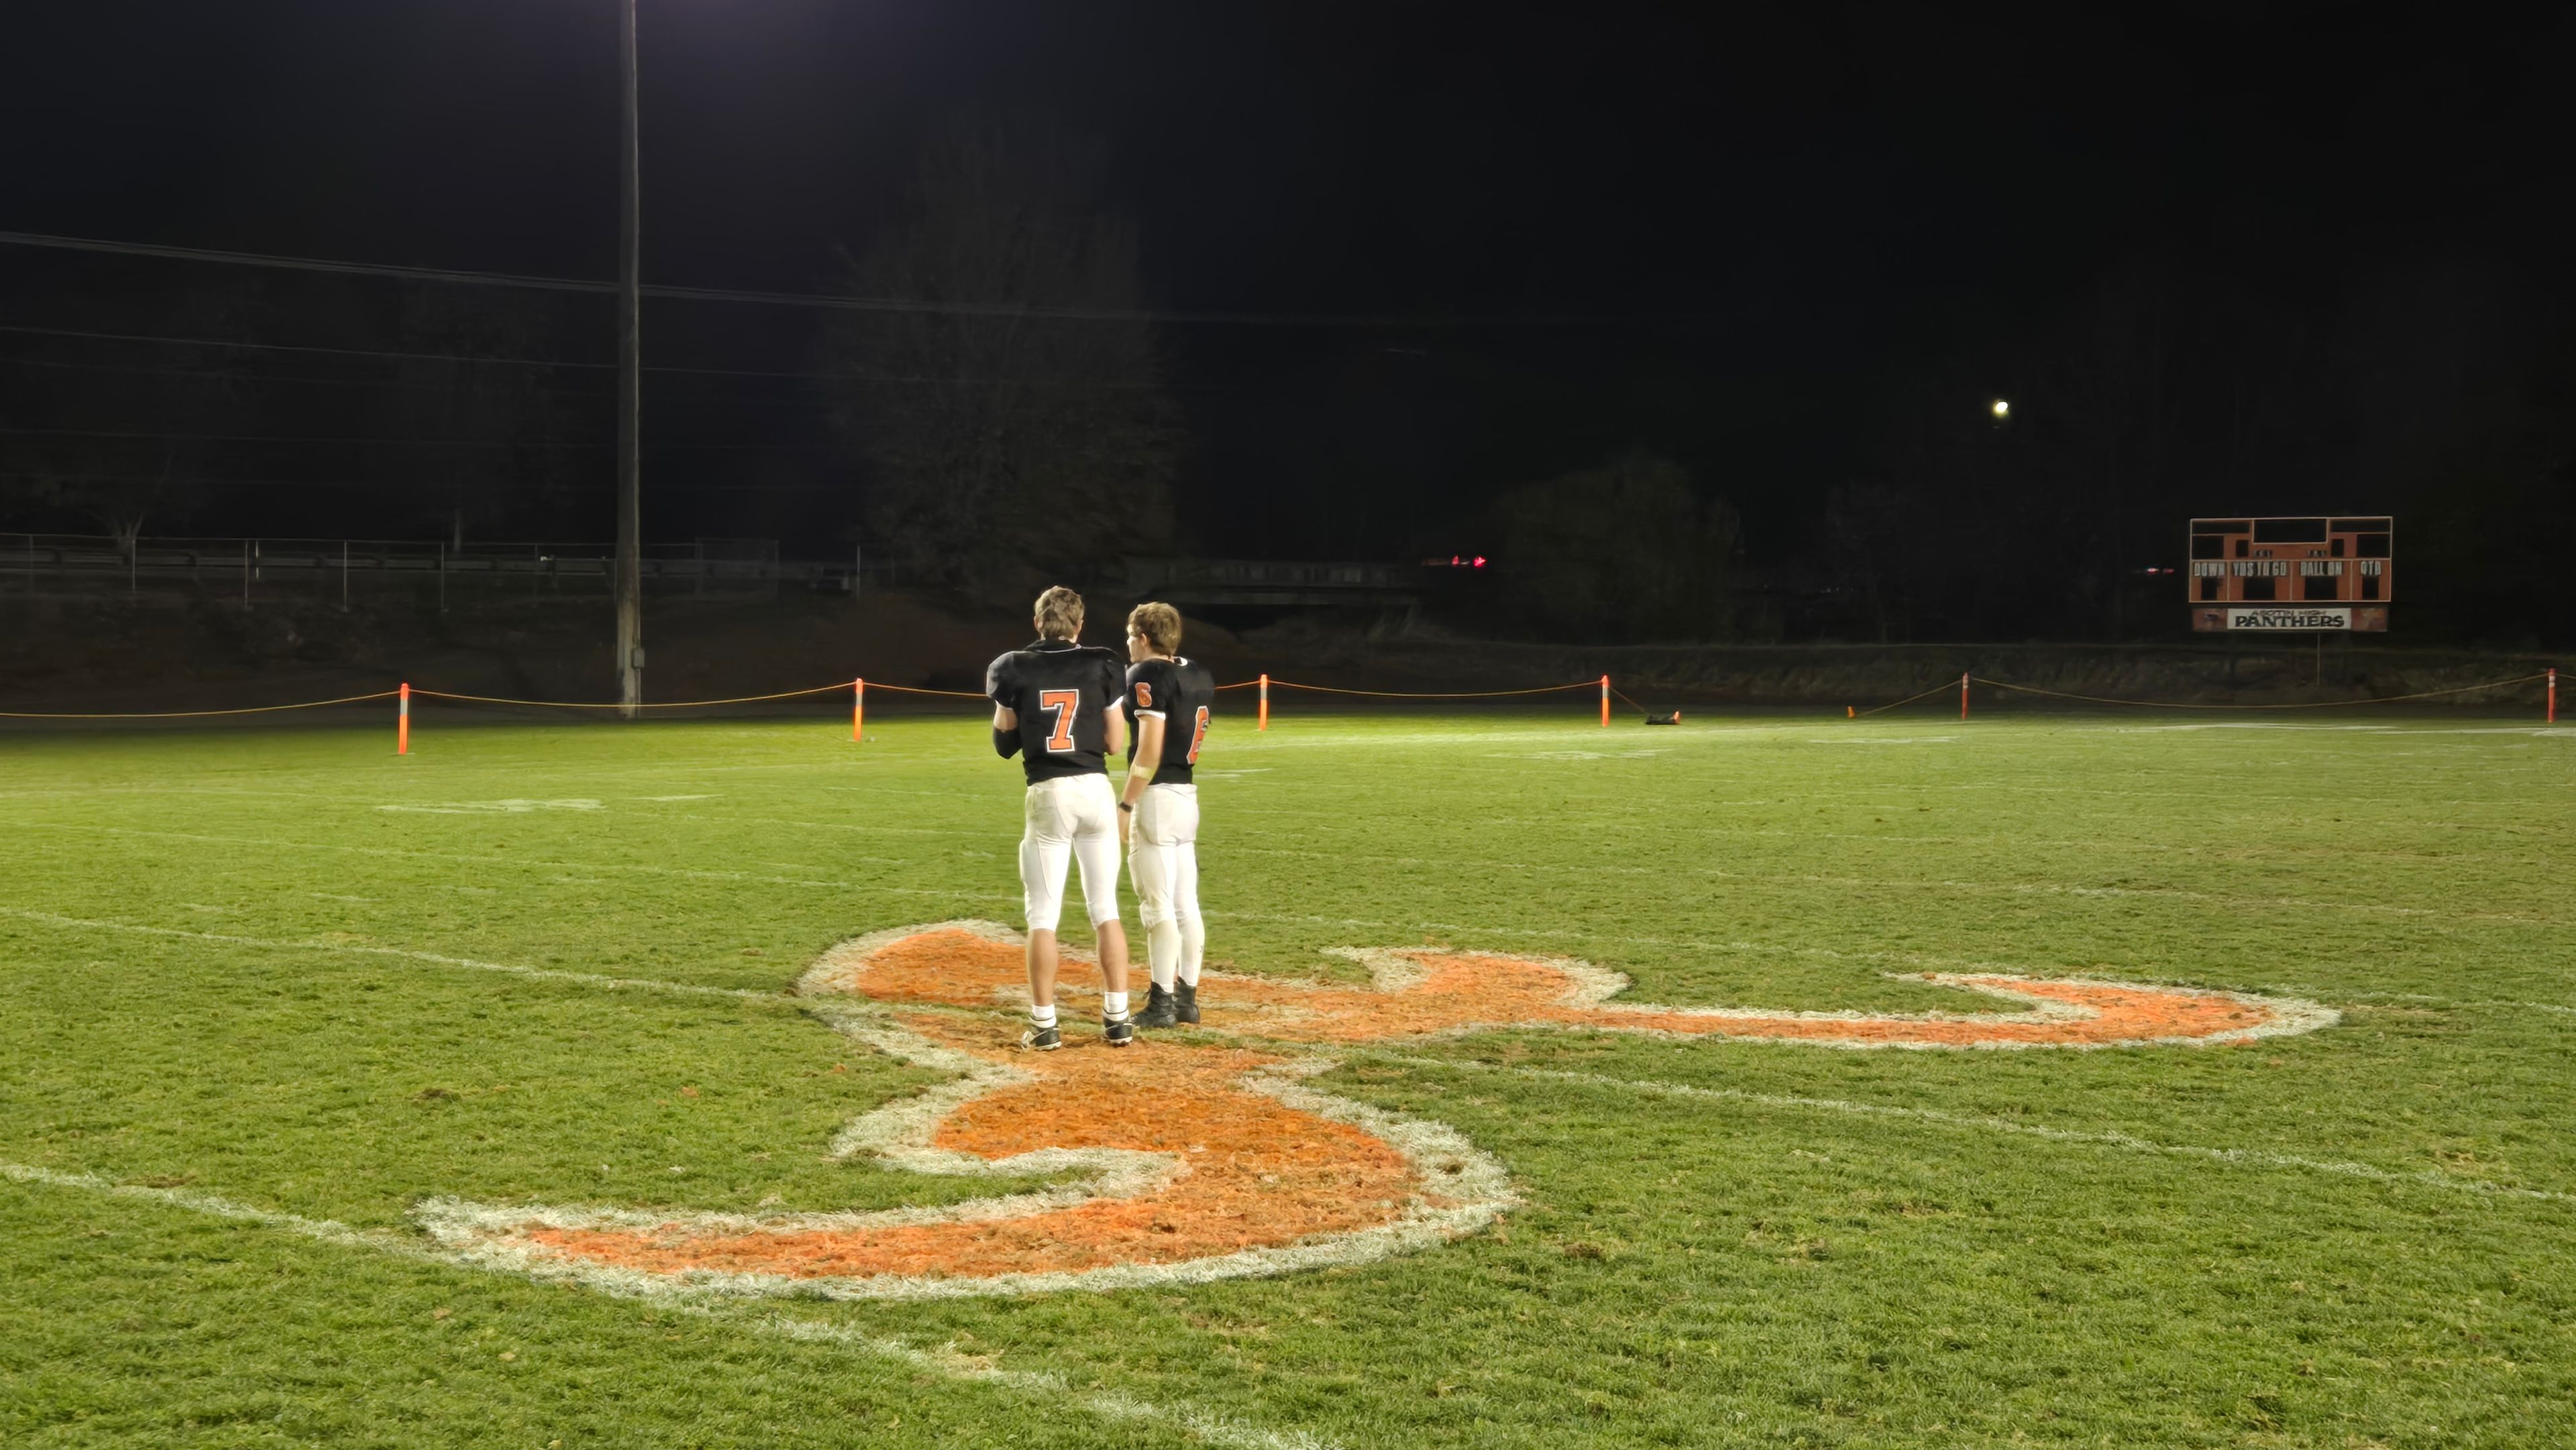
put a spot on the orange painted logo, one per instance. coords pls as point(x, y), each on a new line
point(1196, 1159)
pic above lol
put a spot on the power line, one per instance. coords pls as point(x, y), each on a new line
point(210, 375)
point(802, 299)
point(392, 442)
point(158, 340)
point(456, 357)
point(441, 486)
point(300, 264)
point(405, 385)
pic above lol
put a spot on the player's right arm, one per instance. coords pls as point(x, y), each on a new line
point(1147, 692)
point(1006, 719)
point(1113, 724)
point(1149, 757)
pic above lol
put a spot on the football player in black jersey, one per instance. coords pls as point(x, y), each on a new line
point(1053, 707)
point(1168, 699)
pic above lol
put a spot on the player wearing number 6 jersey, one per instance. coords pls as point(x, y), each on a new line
point(1168, 698)
point(1052, 707)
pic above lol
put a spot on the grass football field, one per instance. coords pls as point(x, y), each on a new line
point(262, 994)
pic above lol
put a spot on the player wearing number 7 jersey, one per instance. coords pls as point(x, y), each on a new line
point(1052, 706)
point(1168, 697)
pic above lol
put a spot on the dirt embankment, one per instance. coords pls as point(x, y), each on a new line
point(2290, 670)
point(113, 655)
point(110, 654)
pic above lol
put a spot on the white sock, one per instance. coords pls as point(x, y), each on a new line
point(1113, 1004)
point(1043, 1016)
point(1193, 947)
point(1163, 952)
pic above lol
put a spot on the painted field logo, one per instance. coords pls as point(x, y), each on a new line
point(1203, 1160)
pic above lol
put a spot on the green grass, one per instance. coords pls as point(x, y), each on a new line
point(1760, 1264)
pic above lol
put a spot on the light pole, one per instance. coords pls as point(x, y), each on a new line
point(629, 583)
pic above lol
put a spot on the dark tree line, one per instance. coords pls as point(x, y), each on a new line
point(1003, 448)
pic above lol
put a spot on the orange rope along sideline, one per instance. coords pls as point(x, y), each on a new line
point(1264, 683)
point(1592, 684)
point(858, 689)
point(836, 685)
point(186, 714)
point(1908, 700)
point(910, 690)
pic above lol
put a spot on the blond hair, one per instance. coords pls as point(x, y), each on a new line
point(1160, 624)
point(1059, 613)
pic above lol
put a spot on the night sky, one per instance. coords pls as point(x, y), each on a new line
point(1740, 241)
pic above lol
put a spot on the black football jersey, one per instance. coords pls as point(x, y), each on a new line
point(1063, 692)
point(1182, 693)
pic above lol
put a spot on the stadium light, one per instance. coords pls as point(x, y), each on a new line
point(627, 585)
point(2002, 409)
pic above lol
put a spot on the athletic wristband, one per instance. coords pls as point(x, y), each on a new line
point(1127, 805)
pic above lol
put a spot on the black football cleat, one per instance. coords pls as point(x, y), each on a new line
point(1042, 1039)
point(1117, 1031)
point(1185, 1004)
point(1160, 1010)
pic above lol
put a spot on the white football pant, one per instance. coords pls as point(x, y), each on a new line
point(1163, 861)
point(1070, 817)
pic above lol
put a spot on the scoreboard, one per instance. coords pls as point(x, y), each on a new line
point(2307, 574)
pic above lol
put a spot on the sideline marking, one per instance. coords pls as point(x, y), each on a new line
point(1206, 1161)
point(2460, 1003)
point(2176, 893)
point(1111, 1405)
point(1746, 948)
point(1738, 948)
point(1869, 883)
point(2258, 1157)
point(514, 806)
point(398, 853)
point(544, 974)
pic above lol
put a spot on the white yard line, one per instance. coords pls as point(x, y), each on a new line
point(1913, 960)
point(2229, 853)
point(1112, 1405)
point(2045, 888)
point(323, 1229)
point(1408, 929)
point(1869, 883)
point(2028, 888)
point(2477, 1004)
point(441, 959)
point(2245, 1157)
point(533, 863)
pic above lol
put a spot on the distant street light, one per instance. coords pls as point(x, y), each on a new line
point(2003, 409)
